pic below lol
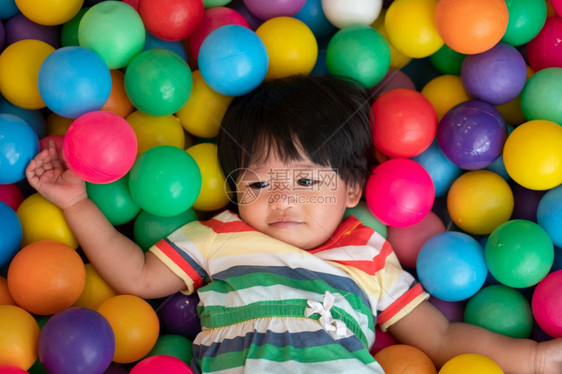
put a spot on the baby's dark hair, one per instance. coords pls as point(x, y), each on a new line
point(323, 117)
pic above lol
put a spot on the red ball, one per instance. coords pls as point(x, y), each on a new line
point(161, 364)
point(100, 147)
point(171, 20)
point(11, 194)
point(405, 123)
point(547, 304)
point(545, 49)
point(557, 6)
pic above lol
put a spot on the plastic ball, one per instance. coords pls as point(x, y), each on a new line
point(69, 31)
point(526, 202)
point(11, 195)
point(57, 125)
point(49, 12)
point(42, 220)
point(152, 131)
point(480, 200)
point(11, 370)
point(274, 8)
point(452, 310)
point(20, 27)
point(158, 82)
point(213, 18)
point(161, 364)
point(548, 214)
point(171, 19)
point(403, 358)
point(451, 266)
point(10, 232)
point(313, 16)
point(519, 253)
point(393, 79)
point(290, 45)
point(135, 326)
point(95, 291)
point(114, 30)
point(441, 170)
point(397, 59)
point(114, 200)
point(18, 146)
point(407, 241)
point(177, 46)
point(383, 339)
point(165, 181)
point(544, 50)
point(526, 19)
point(173, 345)
point(362, 212)
point(178, 315)
point(444, 92)
point(149, 229)
point(358, 52)
point(471, 26)
point(233, 60)
point(100, 147)
point(76, 340)
point(541, 95)
point(399, 192)
point(547, 303)
point(204, 109)
point(73, 81)
point(411, 27)
point(20, 64)
point(343, 13)
point(19, 338)
point(46, 277)
point(532, 154)
point(470, 363)
point(447, 60)
point(500, 309)
point(404, 123)
point(8, 9)
point(118, 102)
point(472, 134)
point(33, 117)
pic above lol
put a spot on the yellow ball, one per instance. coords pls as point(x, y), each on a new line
point(291, 47)
point(213, 193)
point(57, 125)
point(532, 154)
point(135, 326)
point(19, 68)
point(19, 336)
point(152, 131)
point(444, 92)
point(411, 28)
point(479, 200)
point(397, 59)
point(96, 290)
point(49, 12)
point(202, 114)
point(470, 363)
point(43, 220)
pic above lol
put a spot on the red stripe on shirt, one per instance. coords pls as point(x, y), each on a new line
point(177, 259)
point(400, 304)
point(351, 232)
point(371, 267)
point(221, 227)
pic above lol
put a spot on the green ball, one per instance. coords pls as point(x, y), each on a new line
point(358, 52)
point(500, 309)
point(526, 19)
point(173, 345)
point(114, 200)
point(541, 96)
point(447, 60)
point(519, 253)
point(165, 181)
point(114, 30)
point(215, 3)
point(149, 229)
point(158, 82)
point(69, 31)
point(362, 213)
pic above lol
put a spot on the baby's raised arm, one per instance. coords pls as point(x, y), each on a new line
point(118, 259)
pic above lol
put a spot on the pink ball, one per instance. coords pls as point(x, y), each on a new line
point(547, 304)
point(161, 364)
point(400, 192)
point(382, 340)
point(545, 49)
point(407, 241)
point(100, 147)
point(557, 6)
point(11, 194)
point(274, 8)
point(453, 310)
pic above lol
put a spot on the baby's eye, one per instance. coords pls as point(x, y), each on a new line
point(258, 185)
point(306, 182)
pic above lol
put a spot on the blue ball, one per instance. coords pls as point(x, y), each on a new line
point(313, 16)
point(33, 117)
point(18, 145)
point(10, 232)
point(441, 170)
point(451, 266)
point(549, 214)
point(8, 9)
point(73, 81)
point(233, 60)
point(152, 42)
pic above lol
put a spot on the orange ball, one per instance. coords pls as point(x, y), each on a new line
point(118, 101)
point(19, 337)
point(404, 359)
point(5, 295)
point(46, 277)
point(471, 26)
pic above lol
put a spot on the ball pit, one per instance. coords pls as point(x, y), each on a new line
point(178, 315)
point(173, 345)
point(343, 13)
point(444, 92)
point(161, 364)
point(148, 228)
point(313, 16)
point(49, 12)
point(18, 145)
point(10, 232)
point(152, 131)
point(526, 19)
point(544, 51)
point(20, 27)
point(402, 358)
point(470, 363)
point(19, 338)
point(114, 200)
point(118, 102)
point(540, 95)
point(11, 195)
point(548, 214)
point(171, 19)
point(95, 291)
point(546, 303)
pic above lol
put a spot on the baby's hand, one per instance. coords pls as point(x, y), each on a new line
point(47, 174)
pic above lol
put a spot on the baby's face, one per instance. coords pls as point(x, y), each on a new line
point(300, 203)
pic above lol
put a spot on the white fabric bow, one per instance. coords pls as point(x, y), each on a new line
point(326, 319)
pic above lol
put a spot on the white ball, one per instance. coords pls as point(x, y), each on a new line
point(342, 13)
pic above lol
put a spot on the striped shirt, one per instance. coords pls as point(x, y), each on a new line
point(266, 306)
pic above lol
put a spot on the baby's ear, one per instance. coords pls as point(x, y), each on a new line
point(354, 192)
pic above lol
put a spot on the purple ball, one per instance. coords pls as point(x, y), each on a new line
point(472, 134)
point(496, 76)
point(453, 310)
point(76, 340)
point(20, 27)
point(2, 36)
point(526, 202)
point(274, 8)
point(394, 78)
point(178, 315)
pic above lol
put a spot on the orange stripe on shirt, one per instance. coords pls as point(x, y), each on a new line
point(173, 255)
point(400, 304)
point(373, 266)
point(221, 227)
